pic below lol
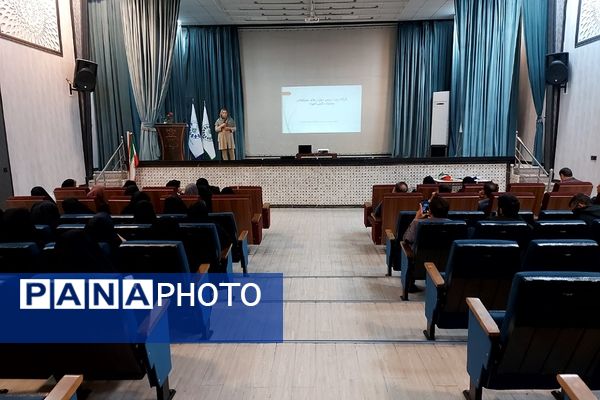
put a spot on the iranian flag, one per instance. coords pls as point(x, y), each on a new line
point(133, 157)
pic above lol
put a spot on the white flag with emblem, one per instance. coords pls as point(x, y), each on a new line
point(195, 136)
point(207, 141)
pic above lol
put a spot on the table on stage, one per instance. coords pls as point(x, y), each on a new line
point(300, 156)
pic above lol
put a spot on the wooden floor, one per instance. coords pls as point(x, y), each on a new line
point(347, 333)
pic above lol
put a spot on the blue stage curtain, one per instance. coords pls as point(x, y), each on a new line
point(423, 66)
point(114, 114)
point(535, 26)
point(484, 77)
point(178, 99)
point(213, 76)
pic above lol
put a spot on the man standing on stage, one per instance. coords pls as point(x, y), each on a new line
point(225, 126)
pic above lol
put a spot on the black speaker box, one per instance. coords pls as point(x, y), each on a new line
point(84, 79)
point(557, 69)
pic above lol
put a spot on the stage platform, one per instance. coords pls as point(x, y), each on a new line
point(345, 181)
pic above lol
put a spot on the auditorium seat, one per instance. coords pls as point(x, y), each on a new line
point(527, 216)
point(89, 203)
point(44, 234)
point(426, 189)
point(527, 200)
point(122, 219)
point(241, 208)
point(573, 388)
point(70, 192)
point(432, 244)
point(470, 217)
point(393, 203)
point(156, 193)
point(556, 201)
point(110, 192)
point(23, 201)
point(239, 252)
point(574, 187)
point(20, 257)
point(475, 268)
point(376, 198)
point(472, 188)
point(537, 189)
point(62, 228)
point(134, 231)
point(562, 255)
point(154, 256)
point(202, 246)
point(461, 201)
point(556, 215)
point(117, 204)
point(561, 229)
point(595, 230)
point(65, 389)
point(518, 231)
point(393, 240)
point(75, 218)
point(550, 326)
point(257, 202)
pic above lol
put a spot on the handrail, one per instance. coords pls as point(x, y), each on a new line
point(122, 156)
point(524, 155)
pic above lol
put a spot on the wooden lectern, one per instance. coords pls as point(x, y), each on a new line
point(171, 138)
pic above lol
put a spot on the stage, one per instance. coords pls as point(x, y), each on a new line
point(344, 181)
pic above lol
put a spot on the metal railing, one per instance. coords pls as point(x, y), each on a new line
point(525, 159)
point(116, 162)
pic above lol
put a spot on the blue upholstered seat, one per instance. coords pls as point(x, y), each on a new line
point(551, 325)
point(562, 255)
point(134, 231)
point(392, 246)
point(153, 256)
point(561, 229)
point(202, 246)
point(240, 251)
point(432, 244)
point(518, 231)
point(475, 268)
point(554, 215)
point(20, 257)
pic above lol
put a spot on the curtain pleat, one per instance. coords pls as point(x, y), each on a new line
point(483, 108)
point(149, 31)
point(423, 65)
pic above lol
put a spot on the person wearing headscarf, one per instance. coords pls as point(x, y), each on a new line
point(191, 190)
point(17, 226)
point(101, 228)
point(198, 213)
point(69, 183)
point(76, 251)
point(128, 183)
point(174, 205)
point(135, 198)
point(143, 212)
point(45, 213)
point(74, 206)
point(131, 190)
point(40, 191)
point(206, 196)
point(174, 183)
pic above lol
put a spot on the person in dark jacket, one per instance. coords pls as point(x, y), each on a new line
point(40, 191)
point(584, 209)
point(45, 213)
point(17, 226)
point(174, 205)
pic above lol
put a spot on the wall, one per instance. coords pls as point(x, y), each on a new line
point(527, 115)
point(578, 130)
point(42, 120)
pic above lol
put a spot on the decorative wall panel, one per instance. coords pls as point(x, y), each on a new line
point(318, 185)
point(33, 23)
point(588, 22)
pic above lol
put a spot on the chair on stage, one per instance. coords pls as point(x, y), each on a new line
point(550, 326)
point(475, 268)
point(432, 244)
point(376, 198)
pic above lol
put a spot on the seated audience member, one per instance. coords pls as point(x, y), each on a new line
point(400, 187)
point(174, 205)
point(485, 204)
point(566, 176)
point(227, 190)
point(467, 180)
point(143, 212)
point(45, 213)
point(40, 191)
point(596, 200)
point(174, 183)
point(128, 183)
point(206, 195)
point(191, 190)
point(438, 211)
point(428, 180)
point(508, 208)
point(204, 182)
point(584, 209)
point(69, 183)
point(77, 252)
point(131, 190)
point(74, 206)
point(17, 226)
point(101, 228)
point(135, 198)
point(97, 193)
point(198, 213)
point(445, 189)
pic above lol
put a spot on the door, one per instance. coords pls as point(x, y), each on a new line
point(6, 187)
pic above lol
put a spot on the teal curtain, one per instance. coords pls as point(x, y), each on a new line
point(535, 26)
point(112, 97)
point(178, 99)
point(423, 66)
point(483, 98)
point(212, 76)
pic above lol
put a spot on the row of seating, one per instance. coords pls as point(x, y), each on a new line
point(485, 269)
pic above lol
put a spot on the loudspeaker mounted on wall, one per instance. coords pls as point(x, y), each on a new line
point(84, 77)
point(557, 69)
